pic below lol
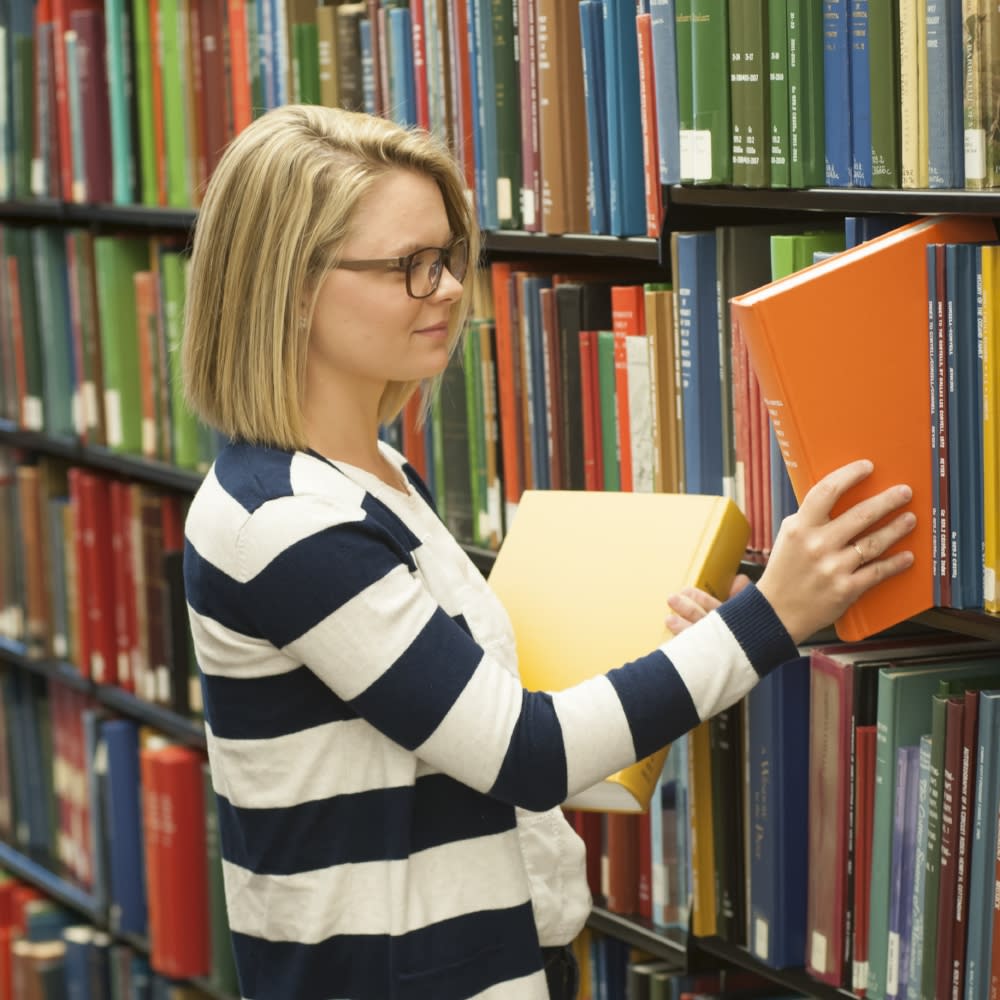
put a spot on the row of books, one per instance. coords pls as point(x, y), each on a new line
point(844, 818)
point(610, 970)
point(124, 813)
point(47, 953)
point(92, 577)
point(88, 341)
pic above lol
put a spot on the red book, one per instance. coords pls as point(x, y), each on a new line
point(197, 106)
point(152, 840)
point(588, 826)
point(508, 366)
point(80, 601)
point(215, 124)
point(531, 177)
point(621, 847)
point(420, 63)
point(184, 871)
point(120, 529)
point(92, 83)
point(462, 113)
point(98, 579)
point(650, 144)
point(239, 65)
point(645, 890)
point(156, 81)
point(593, 466)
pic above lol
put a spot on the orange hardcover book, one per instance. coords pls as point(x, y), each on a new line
point(841, 353)
point(570, 555)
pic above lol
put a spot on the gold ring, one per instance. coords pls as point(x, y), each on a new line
point(861, 555)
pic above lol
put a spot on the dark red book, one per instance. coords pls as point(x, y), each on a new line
point(92, 83)
point(531, 176)
point(213, 73)
point(621, 847)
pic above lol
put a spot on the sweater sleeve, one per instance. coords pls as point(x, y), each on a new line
point(345, 600)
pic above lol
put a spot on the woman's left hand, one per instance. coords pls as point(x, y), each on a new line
point(692, 604)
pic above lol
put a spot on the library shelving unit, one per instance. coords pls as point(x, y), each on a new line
point(686, 207)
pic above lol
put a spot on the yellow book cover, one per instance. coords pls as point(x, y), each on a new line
point(704, 919)
point(585, 578)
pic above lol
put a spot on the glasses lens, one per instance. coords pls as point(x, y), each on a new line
point(424, 272)
point(458, 259)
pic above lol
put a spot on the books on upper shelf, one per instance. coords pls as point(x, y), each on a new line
point(840, 351)
point(585, 576)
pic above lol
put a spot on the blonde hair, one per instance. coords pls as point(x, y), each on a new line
point(274, 218)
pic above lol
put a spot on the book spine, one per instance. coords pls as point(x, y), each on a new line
point(837, 93)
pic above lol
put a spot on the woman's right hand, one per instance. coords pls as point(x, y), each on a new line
point(819, 566)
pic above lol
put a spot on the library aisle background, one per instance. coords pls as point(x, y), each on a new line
point(634, 165)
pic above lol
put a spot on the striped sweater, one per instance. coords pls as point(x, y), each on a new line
point(387, 790)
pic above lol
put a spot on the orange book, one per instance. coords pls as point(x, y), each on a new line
point(508, 386)
point(239, 65)
point(840, 350)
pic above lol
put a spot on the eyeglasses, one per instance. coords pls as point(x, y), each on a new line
point(423, 267)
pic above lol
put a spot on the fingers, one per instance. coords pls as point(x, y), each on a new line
point(822, 497)
point(869, 548)
point(858, 519)
point(740, 581)
point(689, 606)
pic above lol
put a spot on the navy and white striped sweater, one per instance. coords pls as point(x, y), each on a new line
point(372, 749)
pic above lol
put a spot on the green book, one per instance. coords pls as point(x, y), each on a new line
point(712, 120)
point(223, 975)
point(305, 46)
point(116, 259)
point(792, 252)
point(148, 180)
point(184, 433)
point(905, 699)
point(119, 69)
point(174, 110)
point(777, 44)
point(807, 142)
point(610, 457)
point(475, 425)
point(883, 67)
point(748, 93)
point(60, 397)
point(19, 258)
point(508, 114)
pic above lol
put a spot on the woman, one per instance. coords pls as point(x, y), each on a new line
point(388, 793)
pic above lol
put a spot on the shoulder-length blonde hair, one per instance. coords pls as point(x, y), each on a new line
point(275, 216)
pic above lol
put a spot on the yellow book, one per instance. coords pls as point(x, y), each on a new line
point(703, 908)
point(991, 429)
point(585, 578)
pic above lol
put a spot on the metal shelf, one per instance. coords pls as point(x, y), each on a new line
point(641, 248)
point(131, 466)
point(59, 889)
point(669, 944)
point(110, 216)
point(716, 949)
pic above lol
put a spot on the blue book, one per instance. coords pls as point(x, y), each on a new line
point(778, 755)
point(127, 912)
point(118, 31)
point(904, 825)
point(668, 122)
point(96, 792)
point(79, 942)
point(265, 46)
point(627, 185)
point(915, 969)
point(837, 94)
point(595, 103)
point(862, 228)
point(368, 68)
point(783, 500)
point(979, 952)
point(701, 393)
point(279, 51)
point(860, 113)
point(402, 88)
point(964, 428)
point(946, 150)
point(483, 77)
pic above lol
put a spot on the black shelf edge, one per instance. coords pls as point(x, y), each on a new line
point(978, 624)
point(795, 979)
point(846, 200)
point(665, 943)
point(132, 466)
point(59, 889)
point(189, 731)
point(572, 245)
point(108, 215)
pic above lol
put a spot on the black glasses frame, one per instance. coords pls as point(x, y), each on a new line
point(405, 264)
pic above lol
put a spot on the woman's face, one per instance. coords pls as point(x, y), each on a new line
point(365, 328)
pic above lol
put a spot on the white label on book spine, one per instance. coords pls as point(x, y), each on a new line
point(817, 952)
point(79, 416)
point(60, 646)
point(149, 437)
point(113, 416)
point(760, 938)
point(701, 155)
point(505, 199)
point(31, 413)
point(989, 584)
point(123, 665)
point(528, 208)
point(97, 667)
point(975, 154)
point(90, 403)
point(892, 965)
point(860, 980)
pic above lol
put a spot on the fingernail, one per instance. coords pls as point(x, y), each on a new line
point(905, 492)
